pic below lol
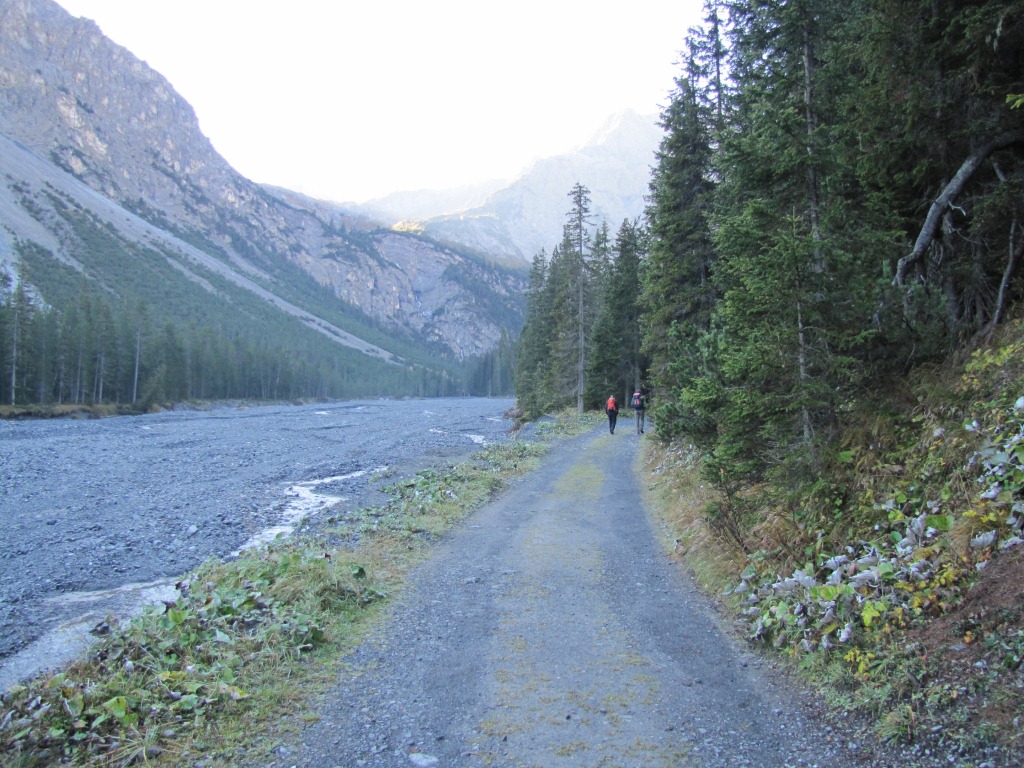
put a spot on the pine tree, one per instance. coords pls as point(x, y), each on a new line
point(678, 294)
point(764, 264)
point(533, 351)
point(563, 287)
point(616, 364)
point(576, 248)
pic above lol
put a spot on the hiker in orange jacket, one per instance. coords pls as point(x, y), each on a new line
point(612, 409)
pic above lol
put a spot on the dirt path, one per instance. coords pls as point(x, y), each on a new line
point(551, 629)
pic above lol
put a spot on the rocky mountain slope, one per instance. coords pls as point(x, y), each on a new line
point(91, 133)
point(516, 222)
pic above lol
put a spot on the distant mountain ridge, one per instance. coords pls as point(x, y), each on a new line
point(104, 164)
point(527, 216)
point(514, 220)
point(421, 204)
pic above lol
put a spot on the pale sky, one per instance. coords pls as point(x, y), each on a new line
point(348, 100)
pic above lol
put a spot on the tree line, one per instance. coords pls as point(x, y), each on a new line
point(836, 201)
point(94, 351)
point(119, 323)
point(581, 338)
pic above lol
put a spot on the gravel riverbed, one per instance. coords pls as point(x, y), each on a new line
point(91, 509)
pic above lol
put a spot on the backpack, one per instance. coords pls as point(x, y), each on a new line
point(612, 405)
point(637, 402)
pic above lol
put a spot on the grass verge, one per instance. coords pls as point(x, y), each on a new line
point(237, 662)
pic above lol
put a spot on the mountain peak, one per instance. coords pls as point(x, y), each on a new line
point(628, 123)
point(527, 215)
point(111, 183)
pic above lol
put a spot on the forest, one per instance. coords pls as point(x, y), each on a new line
point(129, 333)
point(835, 203)
point(823, 305)
point(132, 356)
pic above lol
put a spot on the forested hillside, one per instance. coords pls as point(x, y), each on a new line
point(827, 281)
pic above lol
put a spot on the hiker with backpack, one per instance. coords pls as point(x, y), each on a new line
point(639, 406)
point(612, 409)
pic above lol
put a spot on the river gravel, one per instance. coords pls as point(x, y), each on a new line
point(91, 509)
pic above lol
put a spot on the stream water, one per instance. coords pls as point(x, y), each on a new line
point(103, 516)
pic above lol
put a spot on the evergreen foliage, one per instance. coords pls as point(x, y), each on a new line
point(834, 221)
point(616, 364)
point(581, 339)
point(678, 295)
point(836, 200)
point(95, 351)
point(95, 348)
point(114, 321)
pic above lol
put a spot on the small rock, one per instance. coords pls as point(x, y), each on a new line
point(103, 628)
point(423, 760)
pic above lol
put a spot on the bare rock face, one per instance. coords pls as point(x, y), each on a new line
point(89, 107)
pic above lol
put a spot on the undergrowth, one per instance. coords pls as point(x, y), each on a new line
point(236, 660)
point(171, 680)
point(428, 503)
point(896, 580)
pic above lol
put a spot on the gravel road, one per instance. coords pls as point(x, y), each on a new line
point(92, 509)
point(552, 629)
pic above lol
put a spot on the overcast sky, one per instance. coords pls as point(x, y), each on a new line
point(347, 100)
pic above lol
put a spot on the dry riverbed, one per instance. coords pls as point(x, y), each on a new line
point(101, 516)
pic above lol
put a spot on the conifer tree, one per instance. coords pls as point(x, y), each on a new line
point(533, 351)
point(577, 246)
point(616, 364)
point(563, 288)
point(678, 293)
point(792, 299)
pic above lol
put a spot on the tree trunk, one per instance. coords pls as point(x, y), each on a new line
point(98, 396)
point(581, 364)
point(1016, 249)
point(14, 352)
point(135, 372)
point(813, 205)
point(949, 194)
point(805, 377)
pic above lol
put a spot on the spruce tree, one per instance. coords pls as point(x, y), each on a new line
point(577, 246)
point(533, 349)
point(616, 364)
point(678, 294)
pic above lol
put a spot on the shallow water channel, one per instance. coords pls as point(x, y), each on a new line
point(102, 516)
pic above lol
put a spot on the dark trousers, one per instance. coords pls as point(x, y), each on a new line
point(612, 416)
